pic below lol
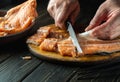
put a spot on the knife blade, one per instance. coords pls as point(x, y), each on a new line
point(73, 37)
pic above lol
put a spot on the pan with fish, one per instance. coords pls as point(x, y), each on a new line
point(17, 21)
point(54, 44)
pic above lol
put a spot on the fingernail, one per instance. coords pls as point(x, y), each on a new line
point(87, 28)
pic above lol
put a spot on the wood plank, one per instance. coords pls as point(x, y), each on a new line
point(83, 77)
point(62, 74)
point(44, 70)
point(117, 79)
point(103, 73)
point(14, 69)
point(48, 72)
point(109, 74)
point(7, 50)
point(4, 56)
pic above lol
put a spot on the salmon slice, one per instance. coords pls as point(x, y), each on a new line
point(49, 44)
point(44, 31)
point(35, 39)
point(66, 48)
point(41, 34)
point(56, 32)
point(19, 17)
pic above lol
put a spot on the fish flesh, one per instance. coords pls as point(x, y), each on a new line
point(18, 18)
point(47, 32)
point(92, 44)
point(59, 41)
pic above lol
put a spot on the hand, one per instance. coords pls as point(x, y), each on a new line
point(106, 23)
point(61, 10)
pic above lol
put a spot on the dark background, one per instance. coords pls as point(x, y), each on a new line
point(87, 9)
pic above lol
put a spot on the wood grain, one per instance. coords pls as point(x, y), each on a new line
point(47, 72)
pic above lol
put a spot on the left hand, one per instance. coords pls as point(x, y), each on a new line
point(106, 23)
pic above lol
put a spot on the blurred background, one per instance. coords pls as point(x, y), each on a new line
point(88, 9)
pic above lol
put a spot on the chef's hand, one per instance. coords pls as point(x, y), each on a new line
point(106, 23)
point(61, 10)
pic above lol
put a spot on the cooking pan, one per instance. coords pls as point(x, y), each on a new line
point(13, 37)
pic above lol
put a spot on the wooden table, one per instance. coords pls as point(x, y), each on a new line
point(14, 69)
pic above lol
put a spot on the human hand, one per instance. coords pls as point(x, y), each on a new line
point(61, 10)
point(106, 22)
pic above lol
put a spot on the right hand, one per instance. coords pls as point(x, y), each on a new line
point(61, 10)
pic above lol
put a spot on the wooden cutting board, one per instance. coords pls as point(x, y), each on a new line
point(52, 56)
point(55, 57)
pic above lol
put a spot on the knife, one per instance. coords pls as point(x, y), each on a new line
point(73, 37)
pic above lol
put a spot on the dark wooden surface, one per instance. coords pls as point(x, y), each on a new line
point(14, 69)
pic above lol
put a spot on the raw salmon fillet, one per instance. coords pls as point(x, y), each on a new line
point(57, 40)
point(49, 44)
point(92, 45)
point(18, 18)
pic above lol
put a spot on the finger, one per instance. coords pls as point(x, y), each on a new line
point(103, 31)
point(99, 17)
point(62, 15)
point(115, 27)
point(51, 11)
point(115, 33)
point(60, 19)
point(74, 14)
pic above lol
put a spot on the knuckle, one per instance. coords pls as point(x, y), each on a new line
point(56, 5)
point(50, 8)
point(102, 6)
point(58, 21)
point(107, 35)
point(66, 4)
point(111, 34)
point(117, 12)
